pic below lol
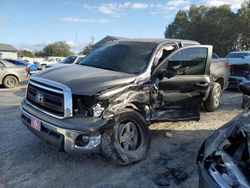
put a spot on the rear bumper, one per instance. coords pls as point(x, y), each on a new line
point(23, 78)
point(63, 137)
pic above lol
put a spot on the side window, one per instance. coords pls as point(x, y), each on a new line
point(79, 59)
point(191, 61)
point(58, 60)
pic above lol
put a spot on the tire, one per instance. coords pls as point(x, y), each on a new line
point(10, 81)
point(213, 101)
point(128, 141)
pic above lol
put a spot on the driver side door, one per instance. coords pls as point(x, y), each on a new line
point(181, 95)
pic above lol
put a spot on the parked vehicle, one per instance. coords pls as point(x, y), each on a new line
point(239, 73)
point(73, 59)
point(33, 69)
point(238, 57)
point(107, 101)
point(48, 61)
point(12, 72)
point(224, 157)
point(240, 63)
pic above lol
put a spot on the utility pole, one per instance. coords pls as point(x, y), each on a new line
point(92, 40)
point(76, 39)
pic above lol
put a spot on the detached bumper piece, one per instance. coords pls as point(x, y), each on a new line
point(228, 164)
point(74, 142)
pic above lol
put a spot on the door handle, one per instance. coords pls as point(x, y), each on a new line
point(202, 84)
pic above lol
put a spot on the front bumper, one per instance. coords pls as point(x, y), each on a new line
point(58, 133)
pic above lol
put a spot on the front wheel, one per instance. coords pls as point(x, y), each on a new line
point(213, 101)
point(128, 141)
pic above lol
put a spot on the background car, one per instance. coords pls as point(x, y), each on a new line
point(238, 57)
point(73, 59)
point(33, 69)
point(240, 68)
point(12, 72)
point(49, 61)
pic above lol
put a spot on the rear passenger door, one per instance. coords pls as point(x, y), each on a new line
point(182, 95)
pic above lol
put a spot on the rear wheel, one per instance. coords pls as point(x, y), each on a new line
point(213, 101)
point(10, 81)
point(128, 141)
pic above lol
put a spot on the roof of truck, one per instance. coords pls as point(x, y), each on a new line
point(158, 40)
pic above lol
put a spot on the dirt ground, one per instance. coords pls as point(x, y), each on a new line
point(25, 161)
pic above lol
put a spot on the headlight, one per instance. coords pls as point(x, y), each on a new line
point(97, 110)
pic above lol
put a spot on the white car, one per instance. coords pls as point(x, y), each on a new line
point(73, 59)
point(48, 61)
point(238, 57)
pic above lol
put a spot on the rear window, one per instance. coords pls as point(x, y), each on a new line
point(17, 62)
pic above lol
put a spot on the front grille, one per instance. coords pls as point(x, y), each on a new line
point(45, 99)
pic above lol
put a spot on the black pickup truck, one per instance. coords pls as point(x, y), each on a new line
point(107, 101)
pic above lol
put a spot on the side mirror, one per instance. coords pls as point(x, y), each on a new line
point(245, 88)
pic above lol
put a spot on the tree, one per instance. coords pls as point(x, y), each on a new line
point(39, 54)
point(208, 25)
point(87, 49)
point(60, 48)
point(244, 25)
point(25, 53)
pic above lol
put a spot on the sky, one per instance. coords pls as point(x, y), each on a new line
point(32, 24)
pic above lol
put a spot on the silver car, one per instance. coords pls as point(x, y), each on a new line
point(11, 73)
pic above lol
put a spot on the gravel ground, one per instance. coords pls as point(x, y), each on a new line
point(25, 161)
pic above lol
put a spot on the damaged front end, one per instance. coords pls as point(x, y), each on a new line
point(224, 158)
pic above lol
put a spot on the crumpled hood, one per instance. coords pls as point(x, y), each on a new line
point(84, 80)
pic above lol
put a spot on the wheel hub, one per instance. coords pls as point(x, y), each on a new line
point(128, 136)
point(217, 96)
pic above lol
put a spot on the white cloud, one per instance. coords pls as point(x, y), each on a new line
point(140, 5)
point(118, 9)
point(83, 20)
point(167, 8)
point(177, 3)
point(235, 4)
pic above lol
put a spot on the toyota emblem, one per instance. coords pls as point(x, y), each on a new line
point(39, 98)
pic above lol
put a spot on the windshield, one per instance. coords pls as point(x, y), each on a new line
point(127, 57)
point(69, 60)
point(237, 55)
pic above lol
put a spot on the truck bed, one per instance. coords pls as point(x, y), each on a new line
point(219, 70)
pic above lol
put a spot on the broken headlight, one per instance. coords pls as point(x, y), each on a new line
point(97, 109)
